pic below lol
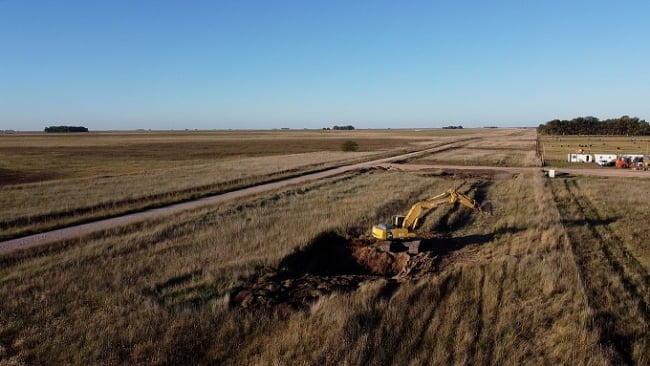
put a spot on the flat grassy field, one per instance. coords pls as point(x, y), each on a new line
point(514, 147)
point(556, 148)
point(559, 274)
point(503, 289)
point(53, 180)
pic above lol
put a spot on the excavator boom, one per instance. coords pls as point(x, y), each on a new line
point(403, 227)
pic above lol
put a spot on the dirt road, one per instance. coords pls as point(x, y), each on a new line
point(88, 228)
point(599, 172)
point(386, 163)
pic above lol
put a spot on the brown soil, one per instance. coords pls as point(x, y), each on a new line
point(378, 262)
point(332, 263)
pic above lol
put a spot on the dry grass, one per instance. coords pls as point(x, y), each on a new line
point(556, 148)
point(50, 181)
point(62, 156)
point(157, 293)
point(509, 148)
point(39, 157)
point(606, 222)
point(38, 206)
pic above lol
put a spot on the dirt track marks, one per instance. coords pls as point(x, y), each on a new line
point(615, 283)
point(480, 315)
point(633, 275)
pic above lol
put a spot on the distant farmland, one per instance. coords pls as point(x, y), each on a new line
point(556, 148)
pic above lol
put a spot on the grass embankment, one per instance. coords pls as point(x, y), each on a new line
point(158, 292)
point(91, 176)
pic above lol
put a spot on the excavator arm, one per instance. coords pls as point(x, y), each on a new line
point(451, 196)
point(419, 209)
point(404, 226)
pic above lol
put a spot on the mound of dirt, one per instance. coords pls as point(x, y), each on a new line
point(378, 262)
point(332, 263)
point(332, 254)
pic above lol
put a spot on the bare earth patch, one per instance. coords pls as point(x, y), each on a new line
point(334, 264)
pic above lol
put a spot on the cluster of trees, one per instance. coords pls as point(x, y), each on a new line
point(349, 127)
point(66, 129)
point(626, 126)
point(453, 128)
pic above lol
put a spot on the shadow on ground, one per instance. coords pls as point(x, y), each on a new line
point(333, 263)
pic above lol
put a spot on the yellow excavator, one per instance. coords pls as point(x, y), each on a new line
point(403, 227)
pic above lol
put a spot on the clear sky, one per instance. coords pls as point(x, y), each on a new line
point(113, 64)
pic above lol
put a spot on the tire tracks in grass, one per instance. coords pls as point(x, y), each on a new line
point(637, 276)
point(632, 274)
point(480, 315)
point(497, 312)
point(444, 287)
point(598, 267)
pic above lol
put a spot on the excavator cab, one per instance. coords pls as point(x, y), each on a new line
point(398, 220)
point(391, 232)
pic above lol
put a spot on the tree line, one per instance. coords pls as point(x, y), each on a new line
point(66, 129)
point(623, 126)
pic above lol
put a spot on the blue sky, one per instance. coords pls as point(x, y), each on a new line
point(267, 64)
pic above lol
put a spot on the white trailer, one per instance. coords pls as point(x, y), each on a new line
point(580, 158)
point(605, 159)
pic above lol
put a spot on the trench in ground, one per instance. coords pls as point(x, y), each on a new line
point(332, 263)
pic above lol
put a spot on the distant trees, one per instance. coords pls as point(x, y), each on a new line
point(625, 126)
point(349, 127)
point(453, 127)
point(66, 129)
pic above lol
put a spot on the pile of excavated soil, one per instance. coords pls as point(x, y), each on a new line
point(331, 263)
point(378, 262)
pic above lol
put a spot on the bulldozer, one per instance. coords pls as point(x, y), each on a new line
point(403, 227)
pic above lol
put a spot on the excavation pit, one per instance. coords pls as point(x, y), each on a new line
point(331, 254)
point(331, 263)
